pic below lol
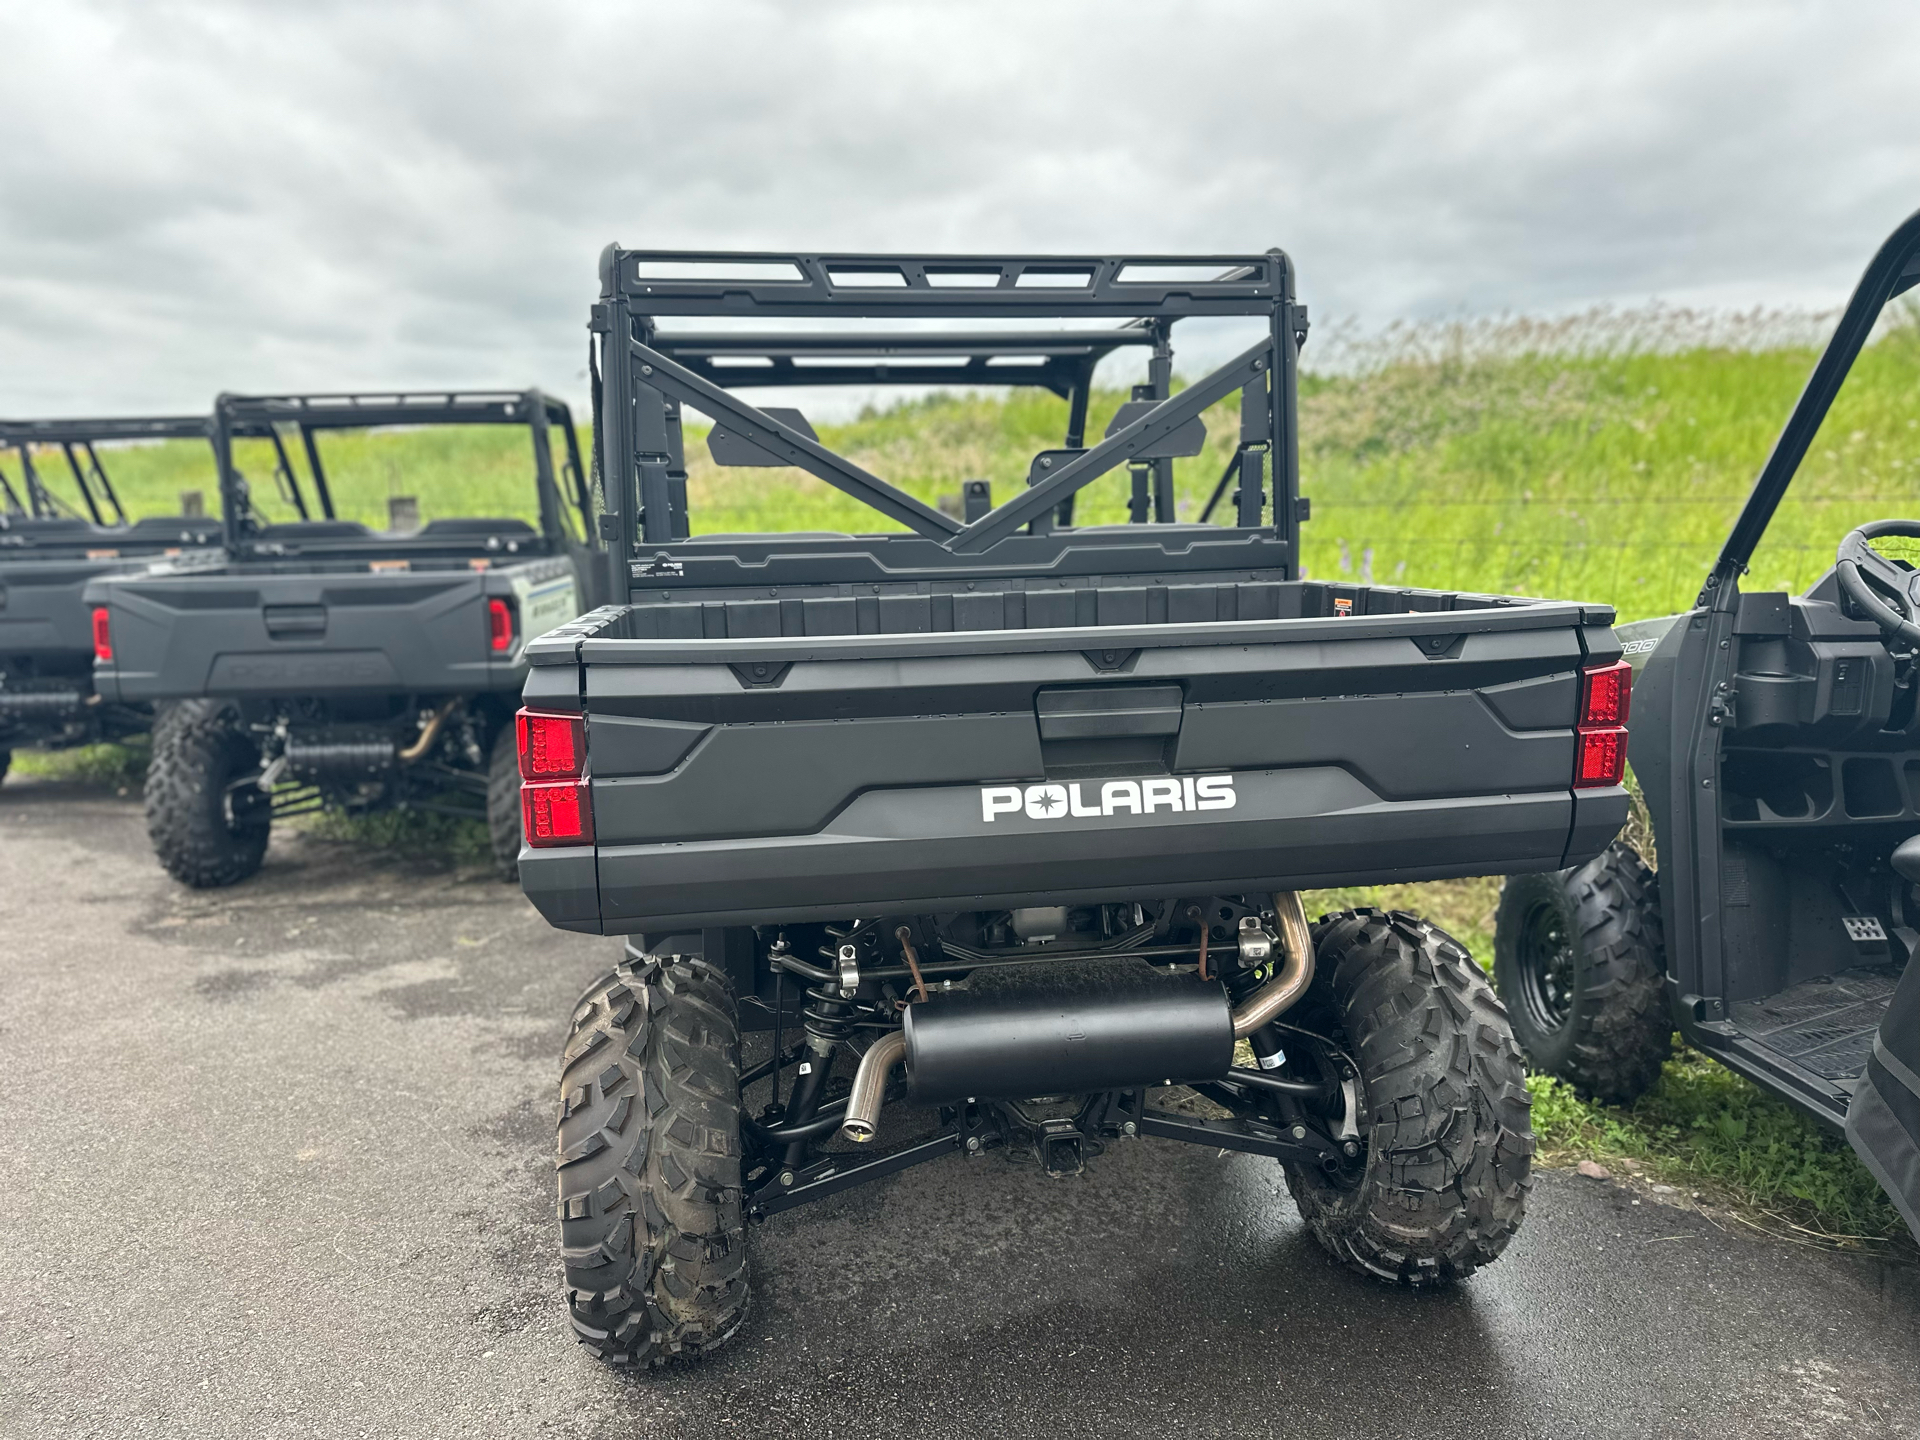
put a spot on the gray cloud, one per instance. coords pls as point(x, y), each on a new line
point(196, 196)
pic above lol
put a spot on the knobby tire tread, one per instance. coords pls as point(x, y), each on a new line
point(1621, 1025)
point(653, 1232)
point(194, 756)
point(503, 802)
point(1444, 1096)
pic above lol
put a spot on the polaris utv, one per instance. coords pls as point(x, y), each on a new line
point(993, 823)
point(49, 549)
point(314, 662)
point(1777, 740)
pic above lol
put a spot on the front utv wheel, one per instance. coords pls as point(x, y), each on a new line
point(1578, 958)
point(1443, 1108)
point(503, 802)
point(208, 828)
point(648, 1155)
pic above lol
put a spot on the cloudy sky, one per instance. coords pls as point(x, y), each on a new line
point(196, 196)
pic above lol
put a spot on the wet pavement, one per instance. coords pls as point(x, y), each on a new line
point(275, 1161)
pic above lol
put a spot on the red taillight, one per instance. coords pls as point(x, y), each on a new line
point(499, 626)
point(556, 806)
point(102, 635)
point(556, 812)
point(1604, 694)
point(552, 745)
point(1602, 758)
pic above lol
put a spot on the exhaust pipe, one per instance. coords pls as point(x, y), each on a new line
point(1296, 970)
point(1095, 1033)
point(870, 1085)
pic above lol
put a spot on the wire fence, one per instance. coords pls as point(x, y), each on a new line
point(1638, 577)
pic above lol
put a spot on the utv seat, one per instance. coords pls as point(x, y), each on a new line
point(773, 537)
point(167, 527)
point(316, 530)
point(1153, 527)
point(456, 526)
point(49, 526)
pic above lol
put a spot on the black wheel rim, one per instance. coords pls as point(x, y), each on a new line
point(1546, 962)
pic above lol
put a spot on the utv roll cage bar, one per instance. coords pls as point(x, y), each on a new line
point(76, 439)
point(644, 376)
point(1894, 269)
point(272, 417)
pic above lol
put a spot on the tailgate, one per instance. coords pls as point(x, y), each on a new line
point(241, 632)
point(787, 779)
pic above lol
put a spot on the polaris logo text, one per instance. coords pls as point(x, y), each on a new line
point(1087, 799)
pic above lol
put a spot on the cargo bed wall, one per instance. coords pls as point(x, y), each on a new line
point(1016, 603)
point(746, 782)
point(238, 631)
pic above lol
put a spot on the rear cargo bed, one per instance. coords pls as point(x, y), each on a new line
point(822, 775)
point(321, 629)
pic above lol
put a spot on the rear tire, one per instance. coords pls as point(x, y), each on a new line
point(652, 1231)
point(1444, 1108)
point(503, 802)
point(205, 837)
point(1579, 958)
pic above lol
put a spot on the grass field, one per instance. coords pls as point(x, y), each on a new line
point(1466, 459)
point(1476, 464)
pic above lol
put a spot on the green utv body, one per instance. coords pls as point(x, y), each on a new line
point(988, 827)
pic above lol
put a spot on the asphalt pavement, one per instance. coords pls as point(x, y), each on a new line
point(275, 1161)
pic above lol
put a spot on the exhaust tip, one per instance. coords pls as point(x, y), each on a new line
point(858, 1131)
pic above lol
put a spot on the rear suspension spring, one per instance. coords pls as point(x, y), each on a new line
point(829, 1018)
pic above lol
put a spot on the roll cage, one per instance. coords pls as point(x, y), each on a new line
point(76, 439)
point(280, 418)
point(644, 376)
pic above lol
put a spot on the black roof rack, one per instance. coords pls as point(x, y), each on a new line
point(700, 282)
point(1054, 361)
point(263, 416)
point(645, 374)
point(76, 437)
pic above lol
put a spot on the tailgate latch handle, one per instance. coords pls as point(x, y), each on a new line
point(294, 622)
point(1109, 712)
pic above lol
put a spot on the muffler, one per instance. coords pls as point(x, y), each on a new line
point(339, 756)
point(1104, 1029)
point(41, 704)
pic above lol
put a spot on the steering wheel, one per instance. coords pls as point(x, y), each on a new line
point(1886, 591)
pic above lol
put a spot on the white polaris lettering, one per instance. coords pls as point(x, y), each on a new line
point(999, 800)
point(1159, 792)
point(1046, 802)
point(1215, 792)
point(1178, 794)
